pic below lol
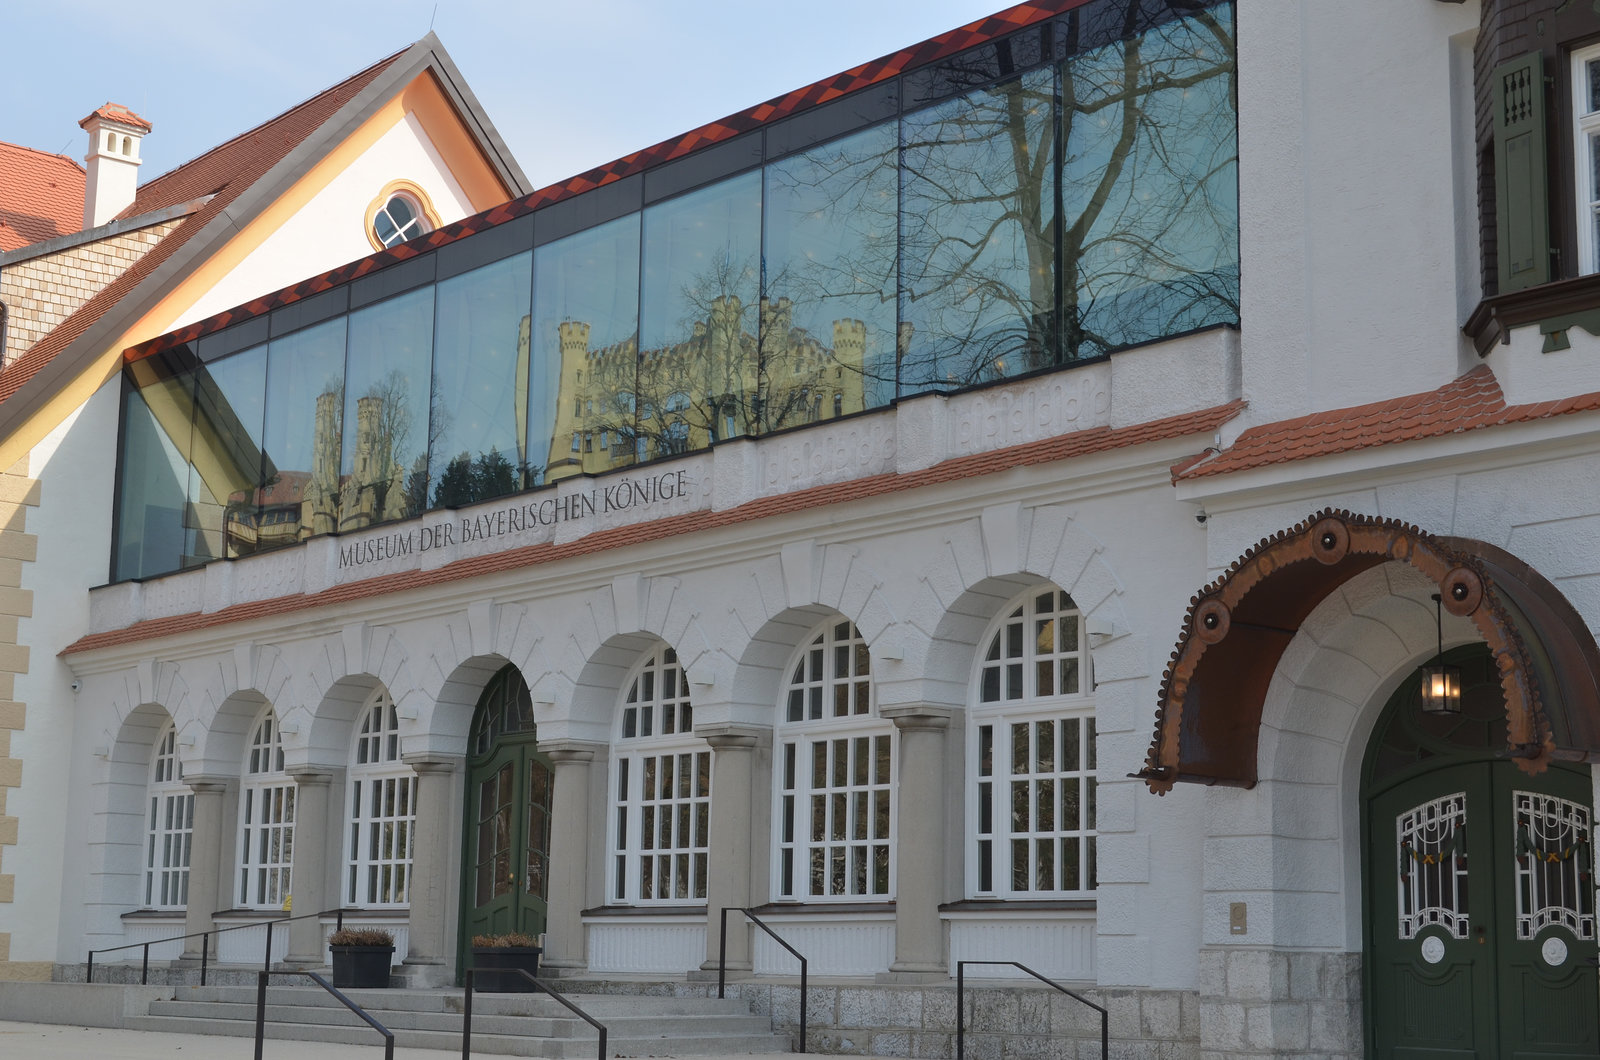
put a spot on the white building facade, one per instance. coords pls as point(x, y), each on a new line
point(878, 596)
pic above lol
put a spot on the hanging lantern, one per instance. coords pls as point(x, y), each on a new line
point(1441, 682)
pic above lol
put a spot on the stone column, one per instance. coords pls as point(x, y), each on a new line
point(920, 846)
point(206, 843)
point(728, 883)
point(570, 828)
point(430, 955)
point(308, 866)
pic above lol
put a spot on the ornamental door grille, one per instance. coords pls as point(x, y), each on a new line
point(1479, 890)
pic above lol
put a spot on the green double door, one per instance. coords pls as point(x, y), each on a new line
point(506, 838)
point(1480, 900)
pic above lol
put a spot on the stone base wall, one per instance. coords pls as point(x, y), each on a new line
point(1004, 1021)
point(1275, 1003)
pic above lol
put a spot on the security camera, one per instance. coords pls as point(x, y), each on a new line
point(76, 684)
point(1201, 517)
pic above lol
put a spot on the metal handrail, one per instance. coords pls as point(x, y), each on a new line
point(205, 945)
point(961, 1007)
point(722, 960)
point(261, 1009)
point(466, 1010)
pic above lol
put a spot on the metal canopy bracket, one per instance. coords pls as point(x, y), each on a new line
point(1208, 716)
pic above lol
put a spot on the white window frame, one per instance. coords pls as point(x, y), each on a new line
point(827, 716)
point(1585, 146)
point(1006, 696)
point(660, 793)
point(169, 826)
point(381, 811)
point(266, 818)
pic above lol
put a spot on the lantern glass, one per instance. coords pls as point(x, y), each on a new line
point(1441, 689)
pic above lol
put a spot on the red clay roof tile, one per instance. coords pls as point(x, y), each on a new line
point(118, 113)
point(1472, 402)
point(41, 196)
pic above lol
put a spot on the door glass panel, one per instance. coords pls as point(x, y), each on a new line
point(538, 828)
point(1552, 857)
point(1432, 841)
point(494, 836)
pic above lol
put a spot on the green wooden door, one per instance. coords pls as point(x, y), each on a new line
point(1479, 898)
point(506, 835)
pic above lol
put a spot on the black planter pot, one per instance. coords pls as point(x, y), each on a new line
point(362, 967)
point(494, 965)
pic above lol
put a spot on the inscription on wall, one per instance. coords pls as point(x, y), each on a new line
point(514, 518)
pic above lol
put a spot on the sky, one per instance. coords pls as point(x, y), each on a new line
point(569, 85)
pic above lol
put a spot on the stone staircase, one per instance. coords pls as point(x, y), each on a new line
point(502, 1024)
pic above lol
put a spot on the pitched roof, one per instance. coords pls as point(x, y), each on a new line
point(118, 113)
point(41, 196)
point(225, 172)
point(1469, 403)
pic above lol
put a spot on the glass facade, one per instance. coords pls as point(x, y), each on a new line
point(1034, 203)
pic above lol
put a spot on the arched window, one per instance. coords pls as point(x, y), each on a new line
point(1032, 759)
point(398, 220)
point(661, 790)
point(169, 827)
point(383, 810)
point(835, 775)
point(266, 819)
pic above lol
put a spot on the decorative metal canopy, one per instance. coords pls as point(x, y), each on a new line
point(1208, 718)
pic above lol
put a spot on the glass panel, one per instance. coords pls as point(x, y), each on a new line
point(827, 337)
point(480, 384)
point(1149, 186)
point(152, 535)
point(304, 406)
point(223, 484)
point(386, 435)
point(978, 195)
point(584, 373)
point(697, 317)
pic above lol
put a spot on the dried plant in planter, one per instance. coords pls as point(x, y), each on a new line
point(496, 942)
point(361, 937)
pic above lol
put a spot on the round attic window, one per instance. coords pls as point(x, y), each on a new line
point(400, 212)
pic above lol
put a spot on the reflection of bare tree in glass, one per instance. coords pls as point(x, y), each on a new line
point(1129, 185)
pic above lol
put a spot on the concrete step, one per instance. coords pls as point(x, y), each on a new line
point(566, 1048)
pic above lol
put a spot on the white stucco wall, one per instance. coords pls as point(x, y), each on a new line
point(329, 230)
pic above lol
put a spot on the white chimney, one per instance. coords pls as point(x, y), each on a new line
point(113, 162)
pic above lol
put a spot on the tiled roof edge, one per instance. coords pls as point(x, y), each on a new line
point(92, 235)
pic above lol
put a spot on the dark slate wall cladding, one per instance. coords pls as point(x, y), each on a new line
point(1507, 29)
point(943, 66)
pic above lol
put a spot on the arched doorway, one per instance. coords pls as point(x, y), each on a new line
point(506, 832)
point(1477, 889)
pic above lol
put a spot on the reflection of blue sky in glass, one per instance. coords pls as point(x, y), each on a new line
point(479, 319)
point(830, 246)
point(699, 247)
point(590, 278)
point(150, 531)
point(230, 405)
point(977, 198)
point(300, 368)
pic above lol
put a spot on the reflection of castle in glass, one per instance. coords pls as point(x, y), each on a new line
point(616, 407)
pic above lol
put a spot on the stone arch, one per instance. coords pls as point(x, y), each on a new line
point(1292, 844)
point(452, 669)
point(121, 826)
point(1209, 712)
point(991, 559)
point(343, 672)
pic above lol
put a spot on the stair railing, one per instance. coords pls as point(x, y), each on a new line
point(261, 1009)
point(722, 961)
point(961, 1006)
point(466, 1010)
point(205, 944)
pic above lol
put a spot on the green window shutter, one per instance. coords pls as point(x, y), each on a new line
point(1522, 209)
